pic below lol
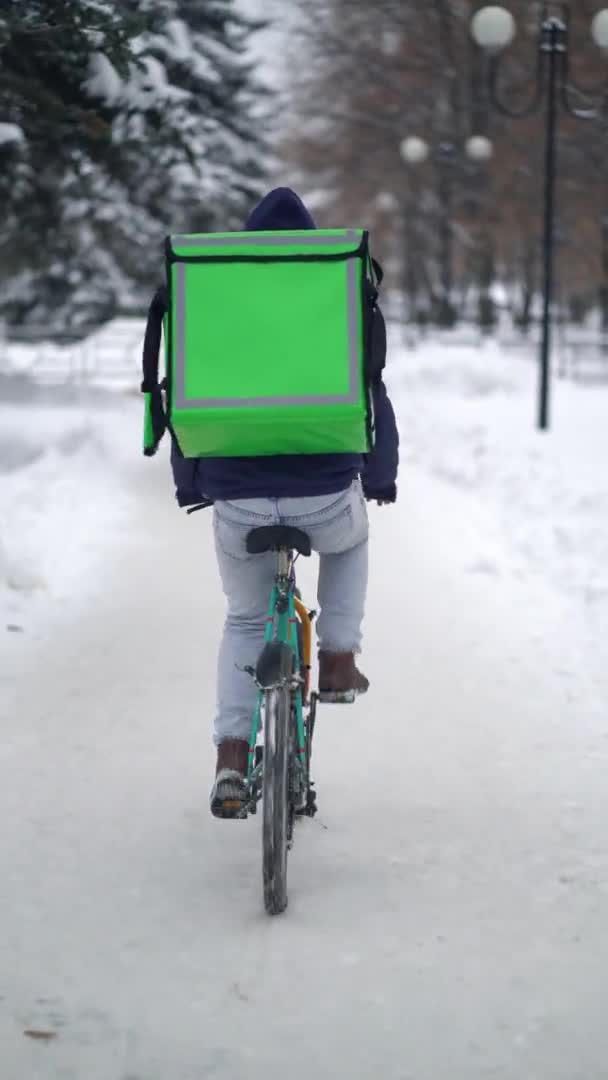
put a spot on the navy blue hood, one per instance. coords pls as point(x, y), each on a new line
point(280, 209)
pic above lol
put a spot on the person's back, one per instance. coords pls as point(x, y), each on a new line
point(322, 494)
point(286, 475)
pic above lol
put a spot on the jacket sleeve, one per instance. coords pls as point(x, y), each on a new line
point(379, 476)
point(187, 478)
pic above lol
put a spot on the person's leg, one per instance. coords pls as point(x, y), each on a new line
point(247, 581)
point(342, 594)
point(338, 529)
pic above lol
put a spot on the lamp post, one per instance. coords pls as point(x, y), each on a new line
point(493, 28)
point(416, 152)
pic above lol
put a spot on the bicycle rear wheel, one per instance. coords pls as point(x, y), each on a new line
point(276, 798)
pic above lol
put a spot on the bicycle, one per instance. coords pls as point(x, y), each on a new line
point(279, 772)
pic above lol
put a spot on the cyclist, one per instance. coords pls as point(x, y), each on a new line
point(322, 494)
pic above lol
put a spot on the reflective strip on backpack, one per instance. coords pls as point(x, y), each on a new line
point(352, 397)
point(252, 240)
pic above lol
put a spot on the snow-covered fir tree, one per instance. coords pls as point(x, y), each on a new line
point(118, 122)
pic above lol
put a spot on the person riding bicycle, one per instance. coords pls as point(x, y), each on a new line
point(324, 495)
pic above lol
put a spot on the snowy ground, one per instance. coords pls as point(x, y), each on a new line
point(61, 491)
point(448, 906)
point(67, 438)
point(468, 417)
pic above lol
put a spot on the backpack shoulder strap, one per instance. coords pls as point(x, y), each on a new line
point(376, 334)
point(155, 420)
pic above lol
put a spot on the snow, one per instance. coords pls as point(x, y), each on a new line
point(146, 84)
point(448, 905)
point(179, 34)
point(103, 80)
point(547, 493)
point(62, 455)
point(267, 47)
point(109, 359)
point(11, 133)
point(157, 75)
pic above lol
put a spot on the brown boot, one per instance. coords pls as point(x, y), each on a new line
point(229, 793)
point(339, 678)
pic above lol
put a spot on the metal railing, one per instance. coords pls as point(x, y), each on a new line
point(109, 356)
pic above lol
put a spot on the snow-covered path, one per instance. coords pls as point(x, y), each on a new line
point(448, 905)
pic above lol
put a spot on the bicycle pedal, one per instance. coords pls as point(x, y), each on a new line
point(336, 697)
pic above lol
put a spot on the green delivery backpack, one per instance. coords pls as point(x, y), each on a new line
point(267, 344)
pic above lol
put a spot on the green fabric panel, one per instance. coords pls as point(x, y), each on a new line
point(221, 434)
point(285, 335)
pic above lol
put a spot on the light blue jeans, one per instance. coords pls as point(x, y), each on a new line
point(338, 529)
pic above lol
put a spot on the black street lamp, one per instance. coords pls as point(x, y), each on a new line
point(493, 28)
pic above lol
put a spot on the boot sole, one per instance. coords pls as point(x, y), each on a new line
point(338, 697)
point(228, 809)
point(229, 802)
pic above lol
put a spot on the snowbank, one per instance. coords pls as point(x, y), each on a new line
point(468, 415)
point(64, 458)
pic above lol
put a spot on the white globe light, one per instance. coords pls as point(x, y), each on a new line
point(479, 148)
point(493, 27)
point(386, 202)
point(599, 28)
point(414, 150)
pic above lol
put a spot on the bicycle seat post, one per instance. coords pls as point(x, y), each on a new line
point(283, 575)
point(283, 563)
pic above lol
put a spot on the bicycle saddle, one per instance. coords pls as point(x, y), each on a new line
point(275, 537)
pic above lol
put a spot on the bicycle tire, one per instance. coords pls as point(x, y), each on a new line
point(275, 794)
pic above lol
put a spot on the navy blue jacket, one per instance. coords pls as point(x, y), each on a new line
point(289, 475)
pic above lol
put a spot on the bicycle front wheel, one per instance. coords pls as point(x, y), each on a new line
point(276, 798)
